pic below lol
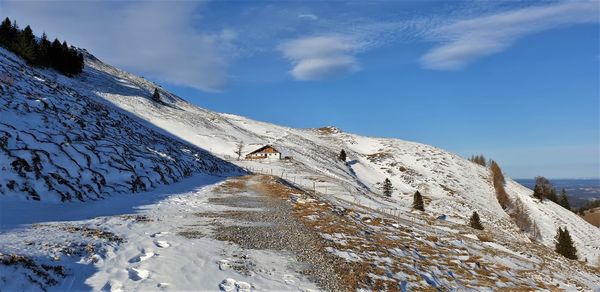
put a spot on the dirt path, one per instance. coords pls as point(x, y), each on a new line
point(266, 221)
point(257, 233)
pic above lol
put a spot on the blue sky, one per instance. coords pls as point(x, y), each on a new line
point(516, 81)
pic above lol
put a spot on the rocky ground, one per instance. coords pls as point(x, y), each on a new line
point(258, 232)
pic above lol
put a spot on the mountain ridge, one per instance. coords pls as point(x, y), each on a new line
point(315, 154)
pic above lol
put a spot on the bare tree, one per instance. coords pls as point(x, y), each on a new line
point(239, 149)
point(544, 190)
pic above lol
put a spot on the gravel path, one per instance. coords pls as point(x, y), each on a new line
point(266, 222)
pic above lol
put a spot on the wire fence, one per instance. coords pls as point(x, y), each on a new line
point(311, 186)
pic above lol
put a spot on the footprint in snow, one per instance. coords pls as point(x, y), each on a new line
point(243, 286)
point(113, 286)
point(162, 243)
point(227, 285)
point(146, 254)
point(288, 279)
point(230, 285)
point(159, 234)
point(224, 265)
point(138, 274)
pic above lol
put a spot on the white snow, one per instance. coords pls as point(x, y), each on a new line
point(180, 135)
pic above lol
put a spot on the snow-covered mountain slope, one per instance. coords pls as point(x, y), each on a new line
point(58, 141)
point(102, 134)
point(452, 186)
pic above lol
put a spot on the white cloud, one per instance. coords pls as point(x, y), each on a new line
point(308, 16)
point(156, 39)
point(320, 57)
point(466, 40)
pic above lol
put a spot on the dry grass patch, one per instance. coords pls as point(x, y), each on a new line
point(46, 274)
point(431, 238)
point(592, 216)
point(93, 233)
point(233, 185)
point(378, 156)
point(484, 237)
point(136, 218)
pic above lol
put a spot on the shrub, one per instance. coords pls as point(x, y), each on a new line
point(522, 219)
point(475, 222)
point(342, 156)
point(418, 202)
point(387, 187)
point(156, 95)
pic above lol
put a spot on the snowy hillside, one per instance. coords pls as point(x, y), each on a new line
point(452, 185)
point(324, 225)
point(60, 142)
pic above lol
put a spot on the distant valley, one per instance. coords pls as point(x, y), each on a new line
point(580, 191)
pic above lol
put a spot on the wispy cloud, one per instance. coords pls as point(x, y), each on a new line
point(320, 57)
point(466, 40)
point(308, 16)
point(157, 39)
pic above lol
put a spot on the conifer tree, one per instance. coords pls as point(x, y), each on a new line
point(387, 187)
point(6, 30)
point(156, 95)
point(44, 51)
point(564, 200)
point(475, 222)
point(552, 195)
point(418, 202)
point(564, 244)
point(25, 46)
point(56, 55)
point(342, 156)
point(63, 60)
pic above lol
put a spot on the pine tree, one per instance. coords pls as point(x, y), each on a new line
point(25, 46)
point(387, 187)
point(56, 55)
point(418, 202)
point(44, 51)
point(6, 30)
point(564, 200)
point(64, 59)
point(564, 244)
point(552, 195)
point(475, 222)
point(342, 156)
point(156, 95)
